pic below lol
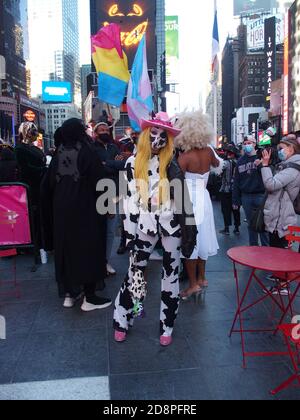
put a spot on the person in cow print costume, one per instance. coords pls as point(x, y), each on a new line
point(153, 212)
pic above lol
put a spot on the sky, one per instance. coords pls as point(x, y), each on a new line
point(196, 25)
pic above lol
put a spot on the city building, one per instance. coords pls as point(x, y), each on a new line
point(55, 57)
point(86, 69)
point(57, 114)
point(12, 66)
point(230, 85)
point(247, 79)
point(211, 108)
point(11, 49)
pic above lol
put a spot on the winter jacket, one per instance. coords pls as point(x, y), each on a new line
point(283, 188)
point(248, 179)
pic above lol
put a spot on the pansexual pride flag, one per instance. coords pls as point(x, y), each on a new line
point(139, 98)
point(111, 64)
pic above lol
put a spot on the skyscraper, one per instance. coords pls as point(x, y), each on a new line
point(12, 48)
point(54, 43)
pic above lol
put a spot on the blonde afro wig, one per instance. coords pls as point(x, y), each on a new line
point(196, 131)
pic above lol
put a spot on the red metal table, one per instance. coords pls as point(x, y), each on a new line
point(264, 259)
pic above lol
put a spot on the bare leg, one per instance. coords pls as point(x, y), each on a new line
point(201, 265)
point(191, 268)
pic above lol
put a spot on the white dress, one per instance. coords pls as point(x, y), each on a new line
point(207, 243)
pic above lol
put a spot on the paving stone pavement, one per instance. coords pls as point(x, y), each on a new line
point(58, 354)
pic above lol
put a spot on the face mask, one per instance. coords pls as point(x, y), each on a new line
point(248, 149)
point(282, 155)
point(105, 138)
point(158, 138)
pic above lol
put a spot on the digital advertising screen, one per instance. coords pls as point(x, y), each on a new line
point(57, 92)
point(135, 19)
point(244, 7)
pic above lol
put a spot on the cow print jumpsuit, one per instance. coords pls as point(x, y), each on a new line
point(143, 230)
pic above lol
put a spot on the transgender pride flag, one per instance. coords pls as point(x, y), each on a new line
point(139, 98)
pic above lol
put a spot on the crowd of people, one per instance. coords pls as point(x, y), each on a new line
point(166, 204)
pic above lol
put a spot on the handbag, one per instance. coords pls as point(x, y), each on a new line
point(257, 223)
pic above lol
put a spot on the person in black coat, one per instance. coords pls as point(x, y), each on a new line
point(8, 165)
point(72, 226)
point(31, 160)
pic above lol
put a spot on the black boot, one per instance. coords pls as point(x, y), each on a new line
point(225, 231)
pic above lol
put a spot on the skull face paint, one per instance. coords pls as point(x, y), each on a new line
point(158, 138)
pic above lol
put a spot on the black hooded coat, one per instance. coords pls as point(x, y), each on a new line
point(71, 224)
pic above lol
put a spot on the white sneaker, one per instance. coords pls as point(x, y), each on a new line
point(276, 292)
point(98, 303)
point(70, 302)
point(110, 270)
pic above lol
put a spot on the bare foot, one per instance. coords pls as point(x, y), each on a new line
point(186, 294)
point(203, 283)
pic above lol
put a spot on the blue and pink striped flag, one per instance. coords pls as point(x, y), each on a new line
point(139, 98)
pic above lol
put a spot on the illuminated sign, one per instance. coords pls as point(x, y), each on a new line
point(294, 67)
point(172, 49)
point(29, 116)
point(135, 19)
point(136, 11)
point(134, 37)
point(270, 50)
point(57, 92)
point(286, 89)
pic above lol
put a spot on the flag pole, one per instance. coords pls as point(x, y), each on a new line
point(215, 91)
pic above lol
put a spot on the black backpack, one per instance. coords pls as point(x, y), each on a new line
point(297, 201)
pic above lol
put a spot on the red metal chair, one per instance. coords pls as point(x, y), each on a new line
point(287, 281)
point(291, 334)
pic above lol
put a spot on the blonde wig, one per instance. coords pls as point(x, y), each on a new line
point(143, 157)
point(196, 131)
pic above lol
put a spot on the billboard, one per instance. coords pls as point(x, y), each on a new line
point(286, 81)
point(135, 19)
point(244, 7)
point(57, 92)
point(172, 49)
point(294, 54)
point(256, 32)
point(270, 57)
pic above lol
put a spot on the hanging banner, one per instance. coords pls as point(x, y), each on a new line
point(270, 55)
point(14, 217)
point(172, 49)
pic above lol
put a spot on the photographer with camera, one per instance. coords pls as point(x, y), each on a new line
point(249, 189)
point(283, 188)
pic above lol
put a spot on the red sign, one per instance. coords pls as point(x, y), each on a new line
point(30, 116)
point(14, 217)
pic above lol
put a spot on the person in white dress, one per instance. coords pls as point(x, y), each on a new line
point(197, 160)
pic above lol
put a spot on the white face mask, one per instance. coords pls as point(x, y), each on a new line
point(158, 138)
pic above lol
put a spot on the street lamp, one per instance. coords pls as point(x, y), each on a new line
point(256, 95)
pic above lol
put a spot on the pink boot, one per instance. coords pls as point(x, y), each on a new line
point(120, 337)
point(166, 341)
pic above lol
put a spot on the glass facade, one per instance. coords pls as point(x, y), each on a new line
point(12, 48)
point(58, 57)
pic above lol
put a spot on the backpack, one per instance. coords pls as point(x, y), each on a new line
point(297, 201)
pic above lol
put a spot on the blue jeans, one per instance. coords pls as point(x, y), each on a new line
point(250, 203)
